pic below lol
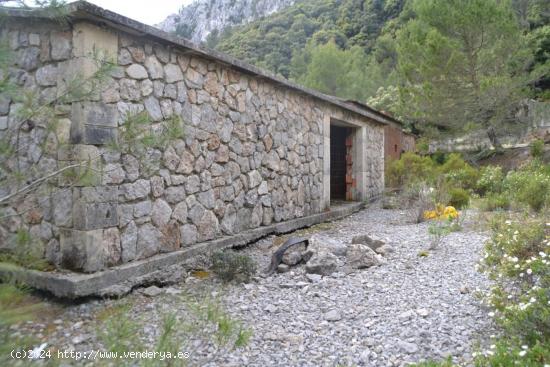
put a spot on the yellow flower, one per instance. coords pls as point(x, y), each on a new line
point(430, 214)
point(441, 212)
point(450, 212)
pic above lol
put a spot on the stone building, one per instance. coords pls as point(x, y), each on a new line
point(257, 150)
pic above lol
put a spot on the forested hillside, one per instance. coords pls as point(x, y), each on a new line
point(452, 64)
point(271, 42)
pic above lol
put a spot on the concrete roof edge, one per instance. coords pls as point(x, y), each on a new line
point(85, 10)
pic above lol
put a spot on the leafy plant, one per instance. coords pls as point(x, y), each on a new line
point(230, 265)
point(494, 201)
point(410, 168)
point(517, 259)
point(460, 198)
point(438, 229)
point(205, 322)
point(490, 180)
point(537, 148)
point(529, 186)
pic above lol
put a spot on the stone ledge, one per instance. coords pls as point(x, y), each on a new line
point(76, 285)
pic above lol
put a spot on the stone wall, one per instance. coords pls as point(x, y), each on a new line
point(252, 153)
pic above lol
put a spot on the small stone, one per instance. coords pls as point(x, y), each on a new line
point(152, 291)
point(80, 338)
point(161, 213)
point(270, 308)
point(263, 188)
point(172, 73)
point(423, 312)
point(172, 291)
point(152, 106)
point(384, 250)
point(406, 315)
point(254, 179)
point(136, 71)
point(124, 57)
point(46, 76)
point(409, 348)
point(314, 278)
point(283, 268)
point(464, 289)
point(332, 315)
point(154, 67)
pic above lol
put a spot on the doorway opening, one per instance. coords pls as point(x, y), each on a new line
point(341, 164)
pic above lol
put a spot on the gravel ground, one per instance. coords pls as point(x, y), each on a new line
point(406, 310)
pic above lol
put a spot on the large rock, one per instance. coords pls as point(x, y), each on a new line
point(46, 76)
point(152, 106)
point(154, 67)
point(384, 250)
point(322, 263)
point(172, 73)
point(361, 256)
point(148, 243)
point(137, 190)
point(327, 244)
point(136, 71)
point(294, 255)
point(372, 241)
point(188, 234)
point(128, 242)
point(207, 226)
point(254, 179)
point(161, 213)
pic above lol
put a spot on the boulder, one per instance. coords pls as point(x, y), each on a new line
point(294, 255)
point(371, 241)
point(384, 250)
point(361, 256)
point(322, 263)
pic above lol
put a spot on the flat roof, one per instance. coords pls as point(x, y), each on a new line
point(83, 10)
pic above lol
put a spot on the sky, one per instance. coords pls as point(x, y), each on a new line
point(145, 11)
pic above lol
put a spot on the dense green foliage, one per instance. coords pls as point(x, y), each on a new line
point(517, 259)
point(527, 187)
point(271, 42)
point(443, 65)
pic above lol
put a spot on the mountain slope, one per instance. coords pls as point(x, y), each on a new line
point(204, 17)
point(271, 41)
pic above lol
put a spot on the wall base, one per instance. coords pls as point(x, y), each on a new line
point(121, 279)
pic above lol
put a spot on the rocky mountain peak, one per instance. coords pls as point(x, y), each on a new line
point(202, 17)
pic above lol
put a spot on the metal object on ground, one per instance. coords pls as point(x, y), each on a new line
point(278, 255)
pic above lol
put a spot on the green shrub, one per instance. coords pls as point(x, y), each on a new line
point(460, 198)
point(459, 173)
point(423, 145)
point(537, 148)
point(495, 201)
point(229, 265)
point(517, 260)
point(529, 186)
point(410, 168)
point(490, 181)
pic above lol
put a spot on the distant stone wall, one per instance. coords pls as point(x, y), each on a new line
point(252, 153)
point(533, 122)
point(397, 142)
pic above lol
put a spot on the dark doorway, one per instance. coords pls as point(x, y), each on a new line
point(338, 152)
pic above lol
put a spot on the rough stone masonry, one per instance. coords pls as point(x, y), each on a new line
point(255, 150)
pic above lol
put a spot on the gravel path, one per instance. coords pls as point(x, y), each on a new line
point(409, 309)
